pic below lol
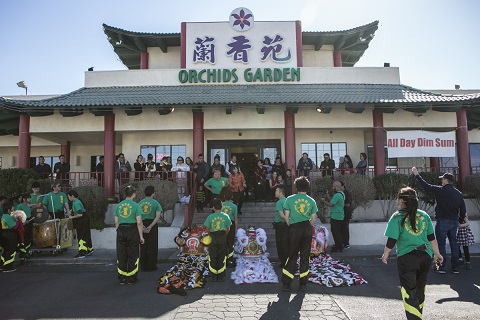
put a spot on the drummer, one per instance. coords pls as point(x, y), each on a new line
point(8, 238)
point(59, 199)
point(35, 196)
point(28, 225)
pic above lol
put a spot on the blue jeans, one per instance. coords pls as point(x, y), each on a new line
point(444, 229)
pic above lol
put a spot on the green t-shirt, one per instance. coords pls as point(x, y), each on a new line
point(337, 211)
point(35, 198)
point(59, 200)
point(25, 209)
point(407, 239)
point(77, 206)
point(279, 207)
point(149, 207)
point(218, 221)
point(217, 185)
point(230, 209)
point(8, 222)
point(301, 207)
point(127, 212)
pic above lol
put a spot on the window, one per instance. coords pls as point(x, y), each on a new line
point(389, 162)
point(452, 162)
point(317, 150)
point(164, 150)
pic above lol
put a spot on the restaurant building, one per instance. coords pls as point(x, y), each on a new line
point(251, 88)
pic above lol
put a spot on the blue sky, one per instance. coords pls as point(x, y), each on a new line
point(50, 43)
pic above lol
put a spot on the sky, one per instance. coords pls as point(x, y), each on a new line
point(51, 43)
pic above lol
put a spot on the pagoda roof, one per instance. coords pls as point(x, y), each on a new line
point(128, 44)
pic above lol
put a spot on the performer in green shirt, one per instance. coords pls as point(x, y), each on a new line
point(216, 184)
point(129, 226)
point(56, 202)
point(81, 223)
point(280, 226)
point(230, 209)
point(412, 231)
point(8, 237)
point(218, 224)
point(151, 211)
point(336, 204)
point(300, 212)
point(28, 226)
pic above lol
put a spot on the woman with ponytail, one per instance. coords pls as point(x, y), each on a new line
point(411, 230)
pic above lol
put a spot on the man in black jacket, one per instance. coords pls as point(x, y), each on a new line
point(450, 207)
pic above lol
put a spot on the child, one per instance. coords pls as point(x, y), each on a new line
point(465, 239)
point(280, 226)
point(200, 199)
point(218, 224)
point(28, 225)
point(150, 216)
point(129, 226)
point(35, 197)
point(8, 238)
point(230, 209)
point(81, 223)
point(288, 182)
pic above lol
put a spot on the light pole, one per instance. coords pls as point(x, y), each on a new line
point(23, 84)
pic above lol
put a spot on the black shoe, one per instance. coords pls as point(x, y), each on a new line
point(334, 249)
point(79, 256)
point(303, 287)
point(454, 270)
point(9, 270)
point(346, 246)
point(90, 252)
point(286, 287)
point(132, 281)
point(123, 281)
point(439, 270)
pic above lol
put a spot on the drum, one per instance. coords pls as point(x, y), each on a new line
point(193, 241)
point(45, 234)
point(39, 213)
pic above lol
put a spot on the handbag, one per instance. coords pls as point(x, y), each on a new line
point(70, 224)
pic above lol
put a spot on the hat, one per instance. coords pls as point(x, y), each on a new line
point(447, 176)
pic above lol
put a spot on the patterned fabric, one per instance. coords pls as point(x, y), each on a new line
point(255, 269)
point(188, 273)
point(329, 272)
point(465, 237)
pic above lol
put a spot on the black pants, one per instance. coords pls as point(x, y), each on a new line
point(300, 240)
point(231, 241)
point(413, 268)
point(127, 251)
point(281, 239)
point(9, 243)
point(346, 231)
point(27, 241)
point(466, 251)
point(238, 199)
point(259, 190)
point(149, 250)
point(58, 215)
point(82, 225)
point(336, 228)
point(217, 251)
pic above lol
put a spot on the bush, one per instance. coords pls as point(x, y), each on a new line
point(386, 190)
point(165, 192)
point(13, 182)
point(45, 185)
point(472, 186)
point(94, 199)
point(362, 189)
point(318, 187)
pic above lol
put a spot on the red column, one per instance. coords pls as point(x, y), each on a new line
point(378, 143)
point(198, 134)
point(144, 60)
point(65, 150)
point(434, 164)
point(463, 152)
point(109, 153)
point(337, 58)
point(290, 160)
point(24, 142)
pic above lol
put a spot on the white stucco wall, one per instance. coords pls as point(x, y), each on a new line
point(151, 120)
point(86, 122)
point(159, 60)
point(322, 58)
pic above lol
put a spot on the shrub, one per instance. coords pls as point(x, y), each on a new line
point(386, 190)
point(45, 185)
point(362, 189)
point(165, 192)
point(318, 187)
point(472, 186)
point(14, 181)
point(94, 199)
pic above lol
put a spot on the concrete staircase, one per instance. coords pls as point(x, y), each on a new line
point(255, 214)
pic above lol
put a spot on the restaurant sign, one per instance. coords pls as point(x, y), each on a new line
point(419, 143)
